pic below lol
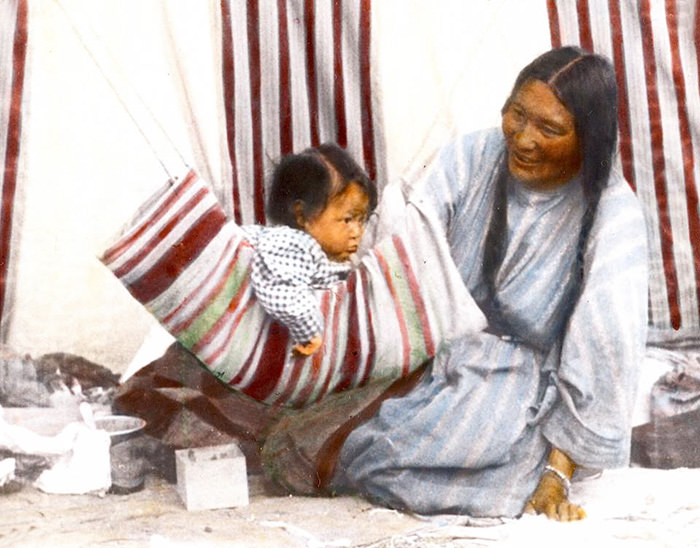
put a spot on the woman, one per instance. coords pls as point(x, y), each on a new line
point(551, 242)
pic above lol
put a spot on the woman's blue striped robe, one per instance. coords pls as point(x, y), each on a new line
point(474, 436)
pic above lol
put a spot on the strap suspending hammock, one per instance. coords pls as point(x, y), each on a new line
point(130, 104)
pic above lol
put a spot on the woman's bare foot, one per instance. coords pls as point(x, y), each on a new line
point(550, 499)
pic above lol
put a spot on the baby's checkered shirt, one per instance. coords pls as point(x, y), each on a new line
point(288, 265)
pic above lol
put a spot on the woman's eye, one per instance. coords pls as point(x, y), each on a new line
point(551, 131)
point(517, 113)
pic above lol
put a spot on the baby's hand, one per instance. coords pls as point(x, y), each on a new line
point(308, 348)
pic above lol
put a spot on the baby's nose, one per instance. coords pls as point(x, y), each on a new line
point(356, 229)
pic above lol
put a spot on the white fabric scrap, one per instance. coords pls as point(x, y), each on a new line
point(7, 471)
point(82, 462)
point(85, 468)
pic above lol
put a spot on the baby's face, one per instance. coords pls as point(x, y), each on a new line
point(339, 227)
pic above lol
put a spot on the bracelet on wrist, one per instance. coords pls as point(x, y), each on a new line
point(565, 482)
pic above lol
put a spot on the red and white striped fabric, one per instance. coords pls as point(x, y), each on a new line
point(13, 48)
point(296, 73)
point(654, 45)
point(190, 267)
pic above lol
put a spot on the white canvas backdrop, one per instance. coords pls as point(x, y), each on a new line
point(446, 67)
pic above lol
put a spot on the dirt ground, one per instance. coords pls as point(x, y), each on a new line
point(630, 508)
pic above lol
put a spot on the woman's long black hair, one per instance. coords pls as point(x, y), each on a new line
point(585, 84)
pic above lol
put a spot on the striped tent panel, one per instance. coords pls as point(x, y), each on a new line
point(13, 49)
point(296, 73)
point(654, 45)
point(189, 266)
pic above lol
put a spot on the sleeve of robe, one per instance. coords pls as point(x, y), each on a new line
point(604, 342)
point(447, 187)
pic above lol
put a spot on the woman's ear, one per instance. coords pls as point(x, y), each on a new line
point(299, 218)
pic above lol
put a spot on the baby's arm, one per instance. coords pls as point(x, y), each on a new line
point(297, 308)
point(302, 316)
point(282, 278)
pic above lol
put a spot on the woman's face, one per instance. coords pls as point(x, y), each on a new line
point(543, 147)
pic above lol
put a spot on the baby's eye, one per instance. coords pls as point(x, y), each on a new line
point(347, 220)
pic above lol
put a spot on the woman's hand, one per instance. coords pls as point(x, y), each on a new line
point(551, 497)
point(308, 348)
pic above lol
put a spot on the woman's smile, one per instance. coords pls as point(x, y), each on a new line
point(523, 159)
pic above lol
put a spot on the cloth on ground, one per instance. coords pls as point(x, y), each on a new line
point(84, 468)
point(77, 457)
point(678, 390)
point(38, 382)
point(668, 442)
point(19, 383)
point(185, 406)
point(670, 437)
point(300, 451)
point(190, 267)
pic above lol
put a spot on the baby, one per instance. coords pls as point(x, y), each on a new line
point(319, 201)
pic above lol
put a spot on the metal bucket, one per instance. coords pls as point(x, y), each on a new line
point(126, 453)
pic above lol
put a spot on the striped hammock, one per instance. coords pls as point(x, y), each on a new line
point(189, 266)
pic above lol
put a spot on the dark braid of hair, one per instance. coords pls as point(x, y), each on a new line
point(592, 199)
point(595, 117)
point(495, 244)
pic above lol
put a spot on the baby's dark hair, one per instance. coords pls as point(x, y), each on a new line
point(311, 178)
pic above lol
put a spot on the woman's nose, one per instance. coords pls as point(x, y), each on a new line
point(525, 137)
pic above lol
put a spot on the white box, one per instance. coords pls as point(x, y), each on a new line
point(212, 477)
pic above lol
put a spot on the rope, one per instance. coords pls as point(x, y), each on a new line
point(110, 82)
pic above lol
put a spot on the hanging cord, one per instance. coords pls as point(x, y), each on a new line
point(119, 96)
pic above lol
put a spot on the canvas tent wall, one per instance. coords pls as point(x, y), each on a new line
point(201, 69)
